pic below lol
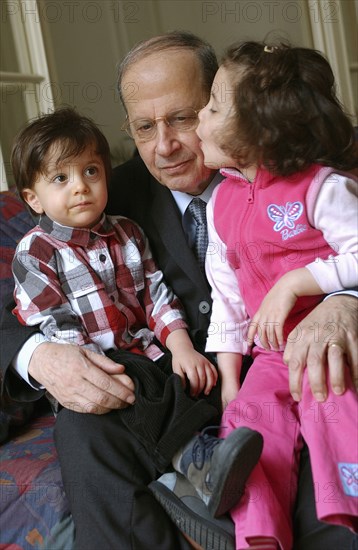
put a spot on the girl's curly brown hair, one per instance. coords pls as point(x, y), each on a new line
point(287, 115)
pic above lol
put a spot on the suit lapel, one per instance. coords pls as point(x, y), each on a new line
point(167, 220)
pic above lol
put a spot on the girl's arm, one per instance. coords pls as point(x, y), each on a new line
point(269, 320)
point(229, 320)
point(229, 365)
point(333, 210)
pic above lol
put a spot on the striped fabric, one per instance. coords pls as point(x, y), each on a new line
point(96, 287)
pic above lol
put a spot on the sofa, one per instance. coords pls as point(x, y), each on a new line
point(34, 511)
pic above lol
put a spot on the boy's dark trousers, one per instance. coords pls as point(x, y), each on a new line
point(164, 417)
point(108, 460)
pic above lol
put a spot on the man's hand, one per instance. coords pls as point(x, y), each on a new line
point(328, 335)
point(80, 379)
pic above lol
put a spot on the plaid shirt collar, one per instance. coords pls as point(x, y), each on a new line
point(76, 235)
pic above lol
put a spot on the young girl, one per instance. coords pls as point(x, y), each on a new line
point(282, 232)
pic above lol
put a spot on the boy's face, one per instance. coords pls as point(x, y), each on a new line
point(72, 192)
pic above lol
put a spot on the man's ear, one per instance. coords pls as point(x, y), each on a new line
point(32, 200)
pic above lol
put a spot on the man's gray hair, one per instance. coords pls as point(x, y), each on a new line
point(179, 40)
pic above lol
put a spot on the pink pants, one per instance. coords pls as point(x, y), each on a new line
point(330, 431)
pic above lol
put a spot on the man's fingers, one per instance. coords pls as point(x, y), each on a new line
point(295, 373)
point(251, 333)
point(85, 407)
point(103, 362)
point(108, 391)
point(336, 365)
point(316, 367)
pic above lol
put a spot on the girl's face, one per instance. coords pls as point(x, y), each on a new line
point(215, 119)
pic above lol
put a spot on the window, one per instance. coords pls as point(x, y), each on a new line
point(334, 32)
point(25, 85)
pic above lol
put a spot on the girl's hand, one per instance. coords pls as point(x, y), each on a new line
point(228, 394)
point(269, 320)
point(202, 375)
point(229, 364)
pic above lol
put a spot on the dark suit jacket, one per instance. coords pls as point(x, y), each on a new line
point(136, 194)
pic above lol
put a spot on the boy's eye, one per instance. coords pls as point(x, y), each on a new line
point(60, 178)
point(91, 171)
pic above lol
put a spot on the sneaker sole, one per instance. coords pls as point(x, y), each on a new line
point(202, 531)
point(229, 482)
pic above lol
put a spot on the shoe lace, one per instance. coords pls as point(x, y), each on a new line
point(204, 446)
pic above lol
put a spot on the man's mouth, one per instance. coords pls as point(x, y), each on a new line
point(174, 167)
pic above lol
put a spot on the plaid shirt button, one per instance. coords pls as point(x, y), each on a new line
point(102, 257)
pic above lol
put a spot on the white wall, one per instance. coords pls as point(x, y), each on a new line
point(86, 39)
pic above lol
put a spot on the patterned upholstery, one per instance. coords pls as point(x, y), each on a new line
point(34, 512)
point(33, 508)
point(15, 221)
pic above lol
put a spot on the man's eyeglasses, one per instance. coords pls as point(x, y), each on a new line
point(144, 129)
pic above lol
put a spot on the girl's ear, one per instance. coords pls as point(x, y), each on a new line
point(32, 200)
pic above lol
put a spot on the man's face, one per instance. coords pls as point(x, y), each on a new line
point(156, 86)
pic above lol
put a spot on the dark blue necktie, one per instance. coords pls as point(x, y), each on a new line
point(197, 209)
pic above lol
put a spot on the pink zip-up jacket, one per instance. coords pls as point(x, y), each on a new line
point(258, 231)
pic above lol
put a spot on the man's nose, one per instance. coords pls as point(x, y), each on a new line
point(166, 139)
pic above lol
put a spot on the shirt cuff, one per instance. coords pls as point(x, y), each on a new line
point(347, 292)
point(21, 361)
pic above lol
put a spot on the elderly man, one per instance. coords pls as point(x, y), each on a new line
point(163, 82)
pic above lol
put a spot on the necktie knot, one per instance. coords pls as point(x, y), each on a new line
point(197, 209)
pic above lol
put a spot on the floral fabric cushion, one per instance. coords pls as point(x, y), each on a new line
point(15, 221)
point(34, 511)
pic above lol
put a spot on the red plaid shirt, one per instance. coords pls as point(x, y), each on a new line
point(97, 287)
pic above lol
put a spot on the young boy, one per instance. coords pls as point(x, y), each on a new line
point(90, 280)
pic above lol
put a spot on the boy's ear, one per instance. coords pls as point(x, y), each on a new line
point(32, 200)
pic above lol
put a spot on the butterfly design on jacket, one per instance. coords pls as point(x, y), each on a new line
point(285, 216)
point(350, 474)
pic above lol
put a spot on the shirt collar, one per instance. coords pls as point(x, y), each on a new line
point(184, 199)
point(76, 235)
point(263, 177)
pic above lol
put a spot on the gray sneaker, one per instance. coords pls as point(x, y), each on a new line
point(219, 468)
point(186, 509)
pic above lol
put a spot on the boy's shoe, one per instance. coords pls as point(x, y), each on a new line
point(184, 506)
point(219, 468)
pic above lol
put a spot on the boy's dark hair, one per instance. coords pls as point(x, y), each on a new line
point(174, 40)
point(287, 115)
point(65, 127)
